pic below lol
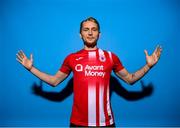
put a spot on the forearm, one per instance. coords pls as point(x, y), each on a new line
point(138, 74)
point(43, 76)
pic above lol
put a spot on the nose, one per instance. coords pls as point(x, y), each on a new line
point(89, 32)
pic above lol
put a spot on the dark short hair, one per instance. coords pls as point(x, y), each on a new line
point(90, 19)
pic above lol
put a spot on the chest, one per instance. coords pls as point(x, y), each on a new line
point(91, 63)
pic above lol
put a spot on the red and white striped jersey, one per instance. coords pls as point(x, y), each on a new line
point(91, 70)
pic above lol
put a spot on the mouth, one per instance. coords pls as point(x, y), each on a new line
point(90, 38)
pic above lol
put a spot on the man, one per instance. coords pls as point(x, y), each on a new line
point(91, 67)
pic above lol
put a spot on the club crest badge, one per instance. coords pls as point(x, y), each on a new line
point(102, 58)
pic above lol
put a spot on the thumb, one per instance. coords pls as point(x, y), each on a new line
point(31, 57)
point(146, 53)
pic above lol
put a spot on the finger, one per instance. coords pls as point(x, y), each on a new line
point(154, 57)
point(19, 60)
point(156, 50)
point(19, 57)
point(31, 57)
point(160, 48)
point(146, 53)
point(20, 54)
point(159, 51)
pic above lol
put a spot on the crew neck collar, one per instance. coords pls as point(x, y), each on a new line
point(90, 50)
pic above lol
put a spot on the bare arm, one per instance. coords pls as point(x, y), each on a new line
point(131, 78)
point(52, 80)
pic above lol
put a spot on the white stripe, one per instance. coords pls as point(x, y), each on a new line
point(108, 106)
point(91, 105)
point(101, 52)
point(108, 101)
point(101, 106)
point(110, 56)
point(102, 57)
point(92, 56)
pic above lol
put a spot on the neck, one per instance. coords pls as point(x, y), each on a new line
point(90, 48)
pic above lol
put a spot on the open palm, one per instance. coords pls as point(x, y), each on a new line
point(151, 60)
point(22, 59)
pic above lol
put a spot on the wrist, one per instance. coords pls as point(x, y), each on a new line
point(148, 66)
point(30, 69)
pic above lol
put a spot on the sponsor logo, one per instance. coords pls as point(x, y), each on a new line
point(79, 68)
point(95, 70)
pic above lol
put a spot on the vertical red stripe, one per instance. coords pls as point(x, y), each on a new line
point(112, 114)
point(86, 104)
point(97, 96)
point(97, 104)
point(105, 106)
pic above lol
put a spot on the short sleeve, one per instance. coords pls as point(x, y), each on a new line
point(65, 68)
point(117, 65)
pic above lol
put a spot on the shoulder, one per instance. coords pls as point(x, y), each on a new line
point(69, 56)
point(112, 55)
point(74, 54)
point(103, 51)
point(108, 52)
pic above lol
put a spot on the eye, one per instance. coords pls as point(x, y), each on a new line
point(85, 29)
point(94, 29)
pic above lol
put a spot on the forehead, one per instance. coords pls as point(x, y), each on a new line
point(89, 24)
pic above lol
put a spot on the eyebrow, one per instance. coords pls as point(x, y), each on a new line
point(91, 28)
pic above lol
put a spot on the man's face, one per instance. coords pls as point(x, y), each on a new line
point(90, 33)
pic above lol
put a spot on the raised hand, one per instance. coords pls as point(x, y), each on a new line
point(151, 60)
point(22, 59)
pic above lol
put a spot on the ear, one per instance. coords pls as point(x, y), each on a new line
point(80, 35)
point(99, 34)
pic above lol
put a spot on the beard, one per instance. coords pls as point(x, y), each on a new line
point(90, 45)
